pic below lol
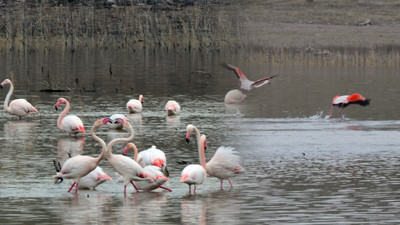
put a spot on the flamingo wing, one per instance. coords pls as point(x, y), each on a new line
point(73, 124)
point(152, 156)
point(224, 164)
point(238, 72)
point(93, 179)
point(193, 174)
point(262, 81)
point(21, 107)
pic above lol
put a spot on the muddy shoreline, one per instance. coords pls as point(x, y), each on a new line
point(358, 32)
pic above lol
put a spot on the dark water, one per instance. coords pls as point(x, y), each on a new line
point(301, 167)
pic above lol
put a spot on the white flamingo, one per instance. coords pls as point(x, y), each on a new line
point(224, 164)
point(152, 157)
point(70, 124)
point(79, 166)
point(195, 174)
point(135, 105)
point(125, 166)
point(19, 107)
point(173, 108)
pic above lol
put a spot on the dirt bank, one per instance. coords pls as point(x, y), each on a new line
point(303, 31)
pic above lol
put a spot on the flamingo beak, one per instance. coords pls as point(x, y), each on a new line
point(187, 140)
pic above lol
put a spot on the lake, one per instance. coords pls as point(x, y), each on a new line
point(300, 166)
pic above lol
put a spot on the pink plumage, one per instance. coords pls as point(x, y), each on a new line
point(19, 107)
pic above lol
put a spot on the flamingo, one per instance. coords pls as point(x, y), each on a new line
point(79, 166)
point(173, 108)
point(129, 169)
point(247, 84)
point(195, 174)
point(114, 121)
point(343, 101)
point(134, 105)
point(152, 157)
point(153, 171)
point(19, 107)
point(91, 180)
point(70, 124)
point(224, 164)
point(234, 97)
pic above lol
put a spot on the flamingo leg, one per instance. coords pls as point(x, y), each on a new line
point(194, 189)
point(137, 190)
point(190, 189)
point(166, 188)
point(230, 184)
point(340, 111)
point(124, 189)
point(73, 184)
point(330, 116)
point(76, 188)
point(222, 184)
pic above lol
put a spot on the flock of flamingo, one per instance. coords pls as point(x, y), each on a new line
point(147, 170)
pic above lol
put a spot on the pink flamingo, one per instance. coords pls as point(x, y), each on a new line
point(224, 164)
point(247, 84)
point(70, 124)
point(129, 169)
point(234, 97)
point(343, 101)
point(19, 107)
point(195, 174)
point(173, 108)
point(134, 105)
point(79, 166)
point(153, 171)
point(91, 180)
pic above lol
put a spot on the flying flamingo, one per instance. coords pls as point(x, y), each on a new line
point(91, 180)
point(70, 124)
point(343, 101)
point(134, 105)
point(19, 107)
point(247, 84)
point(125, 166)
point(173, 108)
point(195, 174)
point(79, 166)
point(224, 164)
point(234, 97)
point(151, 170)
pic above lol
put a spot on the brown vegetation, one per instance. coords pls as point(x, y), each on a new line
point(305, 31)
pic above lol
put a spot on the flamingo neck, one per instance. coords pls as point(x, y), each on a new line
point(101, 141)
point(202, 155)
point(8, 97)
point(62, 115)
point(119, 140)
point(134, 148)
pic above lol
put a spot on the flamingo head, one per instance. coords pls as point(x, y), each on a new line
point(141, 99)
point(102, 121)
point(6, 81)
point(60, 101)
point(189, 129)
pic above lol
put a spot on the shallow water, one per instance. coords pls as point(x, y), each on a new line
point(301, 167)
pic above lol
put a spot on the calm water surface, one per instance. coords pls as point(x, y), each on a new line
point(301, 167)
